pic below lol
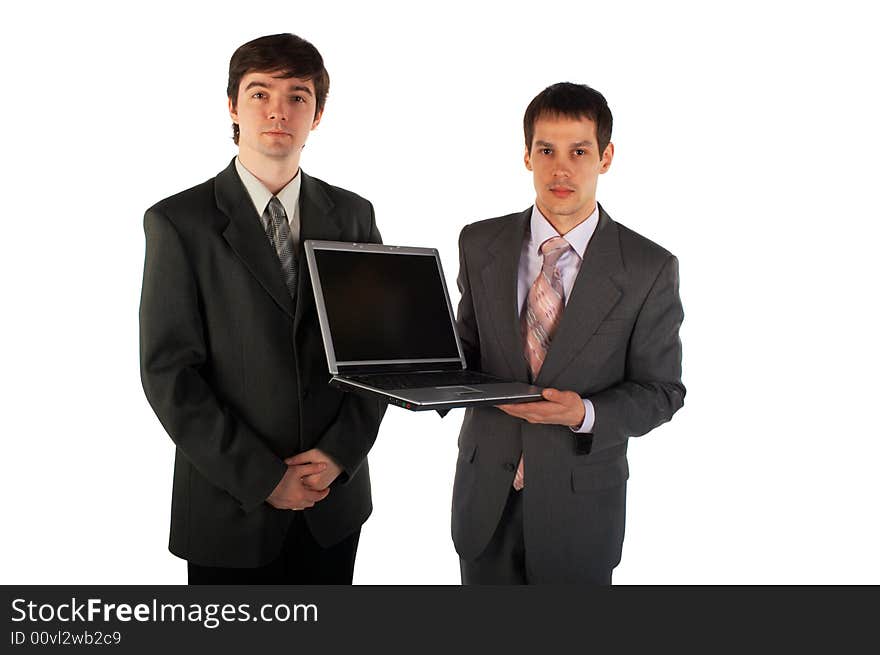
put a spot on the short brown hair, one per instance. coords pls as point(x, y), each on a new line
point(570, 101)
point(287, 54)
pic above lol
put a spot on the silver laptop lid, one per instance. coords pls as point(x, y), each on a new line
point(382, 306)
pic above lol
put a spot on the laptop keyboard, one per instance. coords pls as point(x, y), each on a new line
point(419, 380)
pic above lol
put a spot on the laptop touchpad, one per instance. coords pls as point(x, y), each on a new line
point(460, 391)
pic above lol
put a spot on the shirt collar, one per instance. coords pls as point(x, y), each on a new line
point(260, 195)
point(578, 238)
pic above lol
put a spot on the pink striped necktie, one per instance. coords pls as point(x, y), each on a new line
point(541, 317)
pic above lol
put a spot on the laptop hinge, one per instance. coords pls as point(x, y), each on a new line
point(400, 368)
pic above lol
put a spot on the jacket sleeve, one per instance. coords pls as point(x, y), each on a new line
point(652, 390)
point(466, 321)
point(224, 449)
point(351, 436)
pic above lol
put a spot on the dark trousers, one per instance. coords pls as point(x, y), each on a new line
point(504, 560)
point(302, 561)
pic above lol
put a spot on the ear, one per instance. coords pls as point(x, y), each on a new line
point(232, 113)
point(317, 119)
point(528, 160)
point(607, 156)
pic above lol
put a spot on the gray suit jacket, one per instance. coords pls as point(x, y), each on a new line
point(617, 344)
point(236, 372)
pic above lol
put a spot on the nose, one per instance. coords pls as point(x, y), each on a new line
point(276, 110)
point(560, 168)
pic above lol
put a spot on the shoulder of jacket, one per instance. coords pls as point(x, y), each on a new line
point(187, 208)
point(487, 229)
point(637, 245)
point(338, 194)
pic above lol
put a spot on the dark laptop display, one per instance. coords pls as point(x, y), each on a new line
point(389, 330)
point(373, 317)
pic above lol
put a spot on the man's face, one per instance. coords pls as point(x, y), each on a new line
point(274, 115)
point(566, 163)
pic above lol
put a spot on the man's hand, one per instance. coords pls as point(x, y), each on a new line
point(292, 492)
point(557, 408)
point(320, 480)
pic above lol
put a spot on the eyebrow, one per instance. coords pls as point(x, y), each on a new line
point(300, 87)
point(579, 144)
point(297, 87)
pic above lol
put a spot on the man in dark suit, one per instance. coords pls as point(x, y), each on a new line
point(563, 296)
point(271, 483)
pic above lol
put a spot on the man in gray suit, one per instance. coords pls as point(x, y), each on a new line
point(563, 296)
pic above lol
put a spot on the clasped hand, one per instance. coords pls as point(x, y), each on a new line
point(306, 481)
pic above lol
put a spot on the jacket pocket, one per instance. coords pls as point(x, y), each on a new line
point(467, 454)
point(595, 477)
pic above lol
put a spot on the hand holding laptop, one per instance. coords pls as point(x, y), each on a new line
point(557, 408)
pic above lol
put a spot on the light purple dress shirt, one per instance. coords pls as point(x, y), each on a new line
point(531, 261)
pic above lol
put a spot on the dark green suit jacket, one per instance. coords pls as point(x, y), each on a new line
point(236, 372)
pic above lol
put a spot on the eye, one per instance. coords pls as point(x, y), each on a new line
point(580, 152)
point(546, 151)
point(297, 99)
point(259, 95)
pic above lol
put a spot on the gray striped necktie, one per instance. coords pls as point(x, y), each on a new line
point(278, 230)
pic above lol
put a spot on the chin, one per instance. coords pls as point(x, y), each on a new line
point(277, 152)
point(561, 209)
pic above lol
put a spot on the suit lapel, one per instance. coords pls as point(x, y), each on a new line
point(317, 221)
point(593, 296)
point(500, 282)
point(245, 235)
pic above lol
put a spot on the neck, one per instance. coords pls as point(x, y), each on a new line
point(564, 223)
point(275, 174)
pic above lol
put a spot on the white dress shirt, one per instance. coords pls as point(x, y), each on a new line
point(531, 261)
point(260, 196)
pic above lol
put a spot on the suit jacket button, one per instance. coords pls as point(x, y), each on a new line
point(509, 467)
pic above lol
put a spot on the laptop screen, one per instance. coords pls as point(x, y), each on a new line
point(385, 306)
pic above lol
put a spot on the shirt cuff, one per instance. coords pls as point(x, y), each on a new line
point(589, 418)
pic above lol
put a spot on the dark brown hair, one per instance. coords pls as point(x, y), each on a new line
point(570, 101)
point(286, 54)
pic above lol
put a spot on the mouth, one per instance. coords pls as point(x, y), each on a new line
point(561, 191)
point(277, 133)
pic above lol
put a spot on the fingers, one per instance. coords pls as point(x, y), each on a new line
point(296, 493)
point(558, 397)
point(313, 496)
point(538, 412)
point(305, 499)
point(517, 411)
point(316, 482)
point(527, 411)
point(309, 456)
point(567, 399)
point(306, 457)
point(304, 470)
point(556, 408)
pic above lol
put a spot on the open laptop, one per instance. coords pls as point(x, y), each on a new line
point(389, 330)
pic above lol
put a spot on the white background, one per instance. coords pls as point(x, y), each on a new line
point(746, 143)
